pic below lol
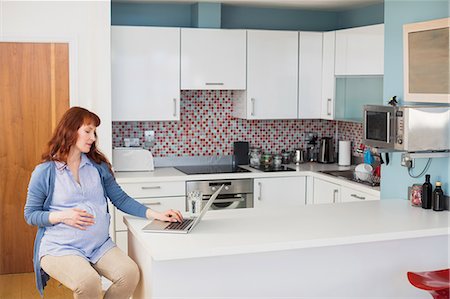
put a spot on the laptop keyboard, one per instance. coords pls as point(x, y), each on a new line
point(179, 225)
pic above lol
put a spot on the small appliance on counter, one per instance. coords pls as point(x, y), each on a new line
point(241, 153)
point(326, 150)
point(132, 159)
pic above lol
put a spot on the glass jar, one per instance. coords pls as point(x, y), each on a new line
point(266, 160)
point(255, 156)
point(286, 156)
point(277, 160)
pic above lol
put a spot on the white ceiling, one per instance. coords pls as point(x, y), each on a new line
point(329, 5)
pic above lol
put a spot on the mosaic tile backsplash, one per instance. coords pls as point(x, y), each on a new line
point(207, 128)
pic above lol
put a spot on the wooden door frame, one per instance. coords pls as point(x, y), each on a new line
point(73, 61)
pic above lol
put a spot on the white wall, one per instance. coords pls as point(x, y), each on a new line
point(86, 25)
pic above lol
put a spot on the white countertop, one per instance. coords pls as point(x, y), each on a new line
point(244, 231)
point(170, 174)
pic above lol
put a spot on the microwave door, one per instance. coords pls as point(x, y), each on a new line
point(378, 128)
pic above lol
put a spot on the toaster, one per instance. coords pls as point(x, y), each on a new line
point(132, 159)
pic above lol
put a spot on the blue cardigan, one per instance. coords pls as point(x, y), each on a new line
point(39, 198)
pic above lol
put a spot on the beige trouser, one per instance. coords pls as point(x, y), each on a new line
point(84, 279)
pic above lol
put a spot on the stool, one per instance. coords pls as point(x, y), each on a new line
point(437, 283)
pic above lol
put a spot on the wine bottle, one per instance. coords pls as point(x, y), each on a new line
point(427, 192)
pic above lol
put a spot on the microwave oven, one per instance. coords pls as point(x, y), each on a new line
point(407, 128)
point(426, 58)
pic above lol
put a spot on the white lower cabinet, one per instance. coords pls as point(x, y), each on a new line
point(160, 196)
point(325, 192)
point(328, 192)
point(348, 194)
point(276, 191)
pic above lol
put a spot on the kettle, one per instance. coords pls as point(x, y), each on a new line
point(326, 150)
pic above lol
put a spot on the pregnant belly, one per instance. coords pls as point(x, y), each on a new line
point(92, 236)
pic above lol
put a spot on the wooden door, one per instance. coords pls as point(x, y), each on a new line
point(34, 93)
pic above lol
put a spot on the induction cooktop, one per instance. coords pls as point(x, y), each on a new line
point(210, 169)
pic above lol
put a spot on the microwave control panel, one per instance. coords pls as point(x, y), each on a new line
point(399, 127)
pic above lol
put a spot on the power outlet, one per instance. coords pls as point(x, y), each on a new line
point(407, 161)
point(131, 142)
point(149, 137)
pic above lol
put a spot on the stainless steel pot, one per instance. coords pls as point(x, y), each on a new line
point(298, 156)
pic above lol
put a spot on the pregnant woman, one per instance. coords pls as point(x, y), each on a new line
point(67, 200)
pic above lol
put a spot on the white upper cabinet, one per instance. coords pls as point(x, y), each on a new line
point(310, 75)
point(272, 76)
point(145, 73)
point(360, 51)
point(213, 59)
point(328, 78)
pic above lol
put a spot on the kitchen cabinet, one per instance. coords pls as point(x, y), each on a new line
point(328, 79)
point(360, 51)
point(333, 192)
point(276, 191)
point(145, 67)
point(213, 59)
point(349, 194)
point(159, 196)
point(325, 192)
point(272, 76)
point(310, 75)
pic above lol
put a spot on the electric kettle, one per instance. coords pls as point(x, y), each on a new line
point(326, 150)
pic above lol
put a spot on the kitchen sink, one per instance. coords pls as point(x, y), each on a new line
point(345, 174)
point(348, 175)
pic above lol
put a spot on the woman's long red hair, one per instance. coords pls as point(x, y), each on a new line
point(66, 135)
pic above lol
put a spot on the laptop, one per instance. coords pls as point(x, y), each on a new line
point(158, 226)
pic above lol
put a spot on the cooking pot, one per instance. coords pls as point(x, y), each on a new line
point(298, 156)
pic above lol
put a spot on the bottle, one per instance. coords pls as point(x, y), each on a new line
point(438, 198)
point(427, 192)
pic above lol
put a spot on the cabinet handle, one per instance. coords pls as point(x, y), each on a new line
point(260, 191)
point(150, 187)
point(214, 83)
point(154, 203)
point(253, 107)
point(175, 107)
point(328, 106)
point(358, 197)
point(335, 191)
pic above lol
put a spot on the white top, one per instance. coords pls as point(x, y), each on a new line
point(244, 231)
point(170, 174)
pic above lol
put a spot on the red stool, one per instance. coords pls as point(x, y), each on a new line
point(437, 283)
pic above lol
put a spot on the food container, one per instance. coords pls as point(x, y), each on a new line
point(277, 160)
point(286, 156)
point(266, 160)
point(415, 195)
point(255, 156)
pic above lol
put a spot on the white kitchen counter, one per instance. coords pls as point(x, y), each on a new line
point(170, 174)
point(351, 250)
point(242, 231)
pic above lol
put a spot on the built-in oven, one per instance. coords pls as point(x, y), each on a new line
point(236, 194)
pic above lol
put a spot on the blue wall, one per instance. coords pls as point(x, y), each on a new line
point(369, 15)
point(213, 15)
point(395, 178)
point(275, 18)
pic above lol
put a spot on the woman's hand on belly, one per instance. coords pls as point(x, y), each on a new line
point(77, 218)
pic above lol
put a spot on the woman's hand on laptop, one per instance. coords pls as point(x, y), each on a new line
point(169, 215)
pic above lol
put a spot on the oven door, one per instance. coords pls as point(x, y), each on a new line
point(229, 201)
point(379, 126)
